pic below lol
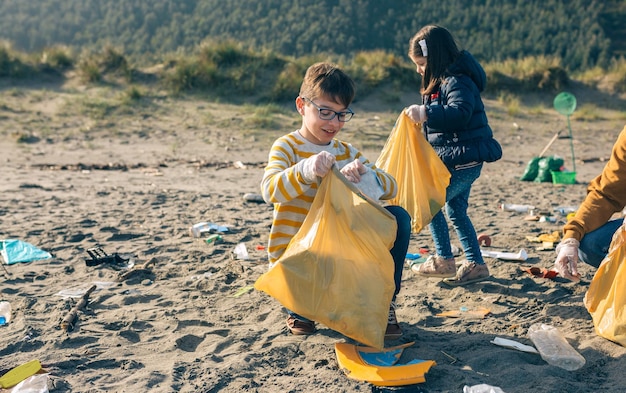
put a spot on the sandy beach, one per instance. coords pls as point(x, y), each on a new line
point(184, 318)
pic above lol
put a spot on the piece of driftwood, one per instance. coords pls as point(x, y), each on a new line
point(69, 321)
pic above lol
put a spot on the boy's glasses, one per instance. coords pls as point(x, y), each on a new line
point(329, 114)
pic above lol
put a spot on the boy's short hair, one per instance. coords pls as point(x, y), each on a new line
point(327, 80)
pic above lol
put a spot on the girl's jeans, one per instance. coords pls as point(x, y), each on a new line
point(398, 251)
point(595, 244)
point(457, 197)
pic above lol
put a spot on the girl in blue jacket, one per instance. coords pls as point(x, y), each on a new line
point(454, 122)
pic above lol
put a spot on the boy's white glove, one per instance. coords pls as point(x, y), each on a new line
point(317, 166)
point(354, 170)
point(417, 113)
point(566, 263)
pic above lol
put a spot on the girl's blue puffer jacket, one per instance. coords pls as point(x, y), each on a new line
point(457, 125)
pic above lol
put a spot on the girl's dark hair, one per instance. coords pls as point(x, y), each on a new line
point(328, 80)
point(442, 51)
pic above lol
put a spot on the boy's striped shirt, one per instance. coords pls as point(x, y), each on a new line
point(283, 184)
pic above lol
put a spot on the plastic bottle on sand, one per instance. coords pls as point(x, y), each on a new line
point(5, 313)
point(482, 388)
point(511, 207)
point(554, 348)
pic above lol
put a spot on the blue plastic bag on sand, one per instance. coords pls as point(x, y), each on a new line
point(14, 251)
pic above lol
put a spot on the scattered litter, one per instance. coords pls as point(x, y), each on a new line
point(484, 240)
point(522, 255)
point(464, 312)
point(412, 263)
point(452, 358)
point(415, 259)
point(202, 228)
point(71, 293)
point(239, 165)
point(504, 342)
point(14, 251)
point(511, 207)
point(422, 253)
point(37, 383)
point(80, 291)
point(215, 238)
point(5, 313)
point(554, 348)
point(98, 256)
point(546, 246)
point(259, 247)
point(482, 388)
point(201, 276)
point(249, 197)
point(554, 237)
point(243, 290)
point(541, 272)
point(241, 251)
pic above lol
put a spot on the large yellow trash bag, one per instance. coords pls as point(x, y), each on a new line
point(337, 270)
point(421, 175)
point(606, 298)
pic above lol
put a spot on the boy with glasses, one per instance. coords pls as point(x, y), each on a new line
point(299, 160)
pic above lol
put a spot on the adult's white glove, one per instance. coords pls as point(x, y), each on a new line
point(317, 166)
point(417, 113)
point(566, 263)
point(354, 170)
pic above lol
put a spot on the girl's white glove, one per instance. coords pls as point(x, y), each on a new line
point(317, 165)
point(417, 113)
point(566, 263)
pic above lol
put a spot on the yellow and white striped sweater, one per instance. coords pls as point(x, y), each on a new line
point(283, 184)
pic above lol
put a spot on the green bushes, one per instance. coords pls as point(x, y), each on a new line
point(229, 71)
point(93, 66)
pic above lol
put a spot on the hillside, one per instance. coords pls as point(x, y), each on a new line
point(582, 33)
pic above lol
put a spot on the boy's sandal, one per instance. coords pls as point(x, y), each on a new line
point(298, 327)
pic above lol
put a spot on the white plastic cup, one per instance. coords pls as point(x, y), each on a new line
point(5, 313)
point(241, 251)
point(199, 229)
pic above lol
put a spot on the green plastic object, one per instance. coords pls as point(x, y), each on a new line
point(545, 167)
point(532, 169)
point(563, 177)
point(565, 103)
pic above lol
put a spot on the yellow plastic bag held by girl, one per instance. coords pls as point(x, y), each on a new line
point(606, 298)
point(337, 270)
point(421, 175)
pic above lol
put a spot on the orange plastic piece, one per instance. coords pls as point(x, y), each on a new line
point(484, 240)
point(541, 272)
point(352, 363)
